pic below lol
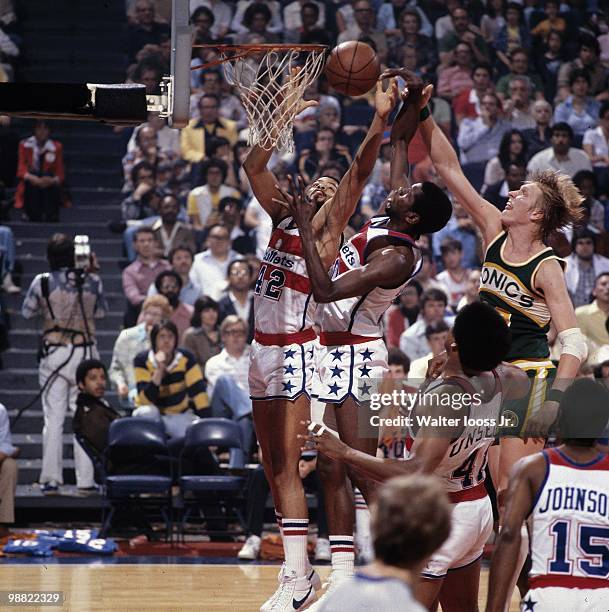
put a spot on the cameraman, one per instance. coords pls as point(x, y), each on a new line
point(67, 300)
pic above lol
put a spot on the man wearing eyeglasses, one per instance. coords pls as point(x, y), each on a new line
point(239, 298)
point(210, 267)
point(145, 30)
point(227, 379)
point(365, 26)
point(583, 267)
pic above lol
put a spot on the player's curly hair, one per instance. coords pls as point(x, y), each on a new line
point(561, 201)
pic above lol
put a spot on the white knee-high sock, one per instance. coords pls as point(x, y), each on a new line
point(295, 532)
point(362, 527)
point(343, 554)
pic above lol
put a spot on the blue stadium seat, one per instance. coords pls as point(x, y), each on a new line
point(221, 492)
point(137, 447)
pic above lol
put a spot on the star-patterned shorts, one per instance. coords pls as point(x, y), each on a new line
point(551, 599)
point(281, 371)
point(472, 524)
point(350, 370)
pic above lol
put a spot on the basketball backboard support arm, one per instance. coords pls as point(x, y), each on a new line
point(118, 104)
point(177, 85)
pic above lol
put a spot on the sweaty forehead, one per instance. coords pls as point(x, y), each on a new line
point(327, 180)
point(532, 188)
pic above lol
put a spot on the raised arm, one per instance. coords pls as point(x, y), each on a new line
point(402, 132)
point(445, 160)
point(519, 501)
point(332, 218)
point(261, 179)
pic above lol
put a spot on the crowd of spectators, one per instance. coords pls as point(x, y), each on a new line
point(519, 86)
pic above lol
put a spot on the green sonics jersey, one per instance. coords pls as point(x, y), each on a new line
point(509, 289)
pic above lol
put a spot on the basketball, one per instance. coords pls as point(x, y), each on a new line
point(353, 68)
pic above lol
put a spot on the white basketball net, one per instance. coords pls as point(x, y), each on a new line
point(270, 89)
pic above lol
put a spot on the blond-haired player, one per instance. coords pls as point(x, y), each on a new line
point(523, 280)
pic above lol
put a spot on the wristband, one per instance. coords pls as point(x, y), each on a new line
point(425, 112)
point(554, 395)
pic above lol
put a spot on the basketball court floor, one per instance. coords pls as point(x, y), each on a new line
point(153, 583)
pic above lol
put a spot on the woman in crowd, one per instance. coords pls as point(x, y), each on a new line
point(410, 26)
point(512, 35)
point(257, 19)
point(513, 148)
point(493, 20)
point(202, 339)
point(549, 63)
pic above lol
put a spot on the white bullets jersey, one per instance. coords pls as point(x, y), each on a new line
point(463, 467)
point(362, 315)
point(569, 524)
point(283, 301)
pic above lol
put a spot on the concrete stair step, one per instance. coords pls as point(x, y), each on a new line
point(31, 445)
point(28, 339)
point(22, 229)
point(104, 249)
point(29, 496)
point(19, 358)
point(29, 470)
point(74, 73)
point(115, 299)
point(111, 282)
point(101, 177)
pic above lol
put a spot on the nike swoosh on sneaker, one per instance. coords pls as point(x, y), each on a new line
point(297, 603)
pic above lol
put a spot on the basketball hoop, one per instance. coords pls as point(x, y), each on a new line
point(271, 81)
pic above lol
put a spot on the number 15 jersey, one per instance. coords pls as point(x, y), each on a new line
point(569, 524)
point(283, 300)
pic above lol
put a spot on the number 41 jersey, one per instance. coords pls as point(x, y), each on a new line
point(569, 524)
point(283, 301)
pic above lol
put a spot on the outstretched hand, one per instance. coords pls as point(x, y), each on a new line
point(385, 101)
point(295, 201)
point(412, 81)
point(294, 91)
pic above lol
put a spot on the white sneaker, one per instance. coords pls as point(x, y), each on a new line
point(334, 581)
point(312, 577)
point(293, 593)
point(251, 548)
point(8, 285)
point(266, 606)
point(322, 550)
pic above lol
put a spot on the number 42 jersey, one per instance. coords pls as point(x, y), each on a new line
point(569, 524)
point(283, 301)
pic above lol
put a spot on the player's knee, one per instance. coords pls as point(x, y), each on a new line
point(285, 473)
point(364, 485)
point(330, 471)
